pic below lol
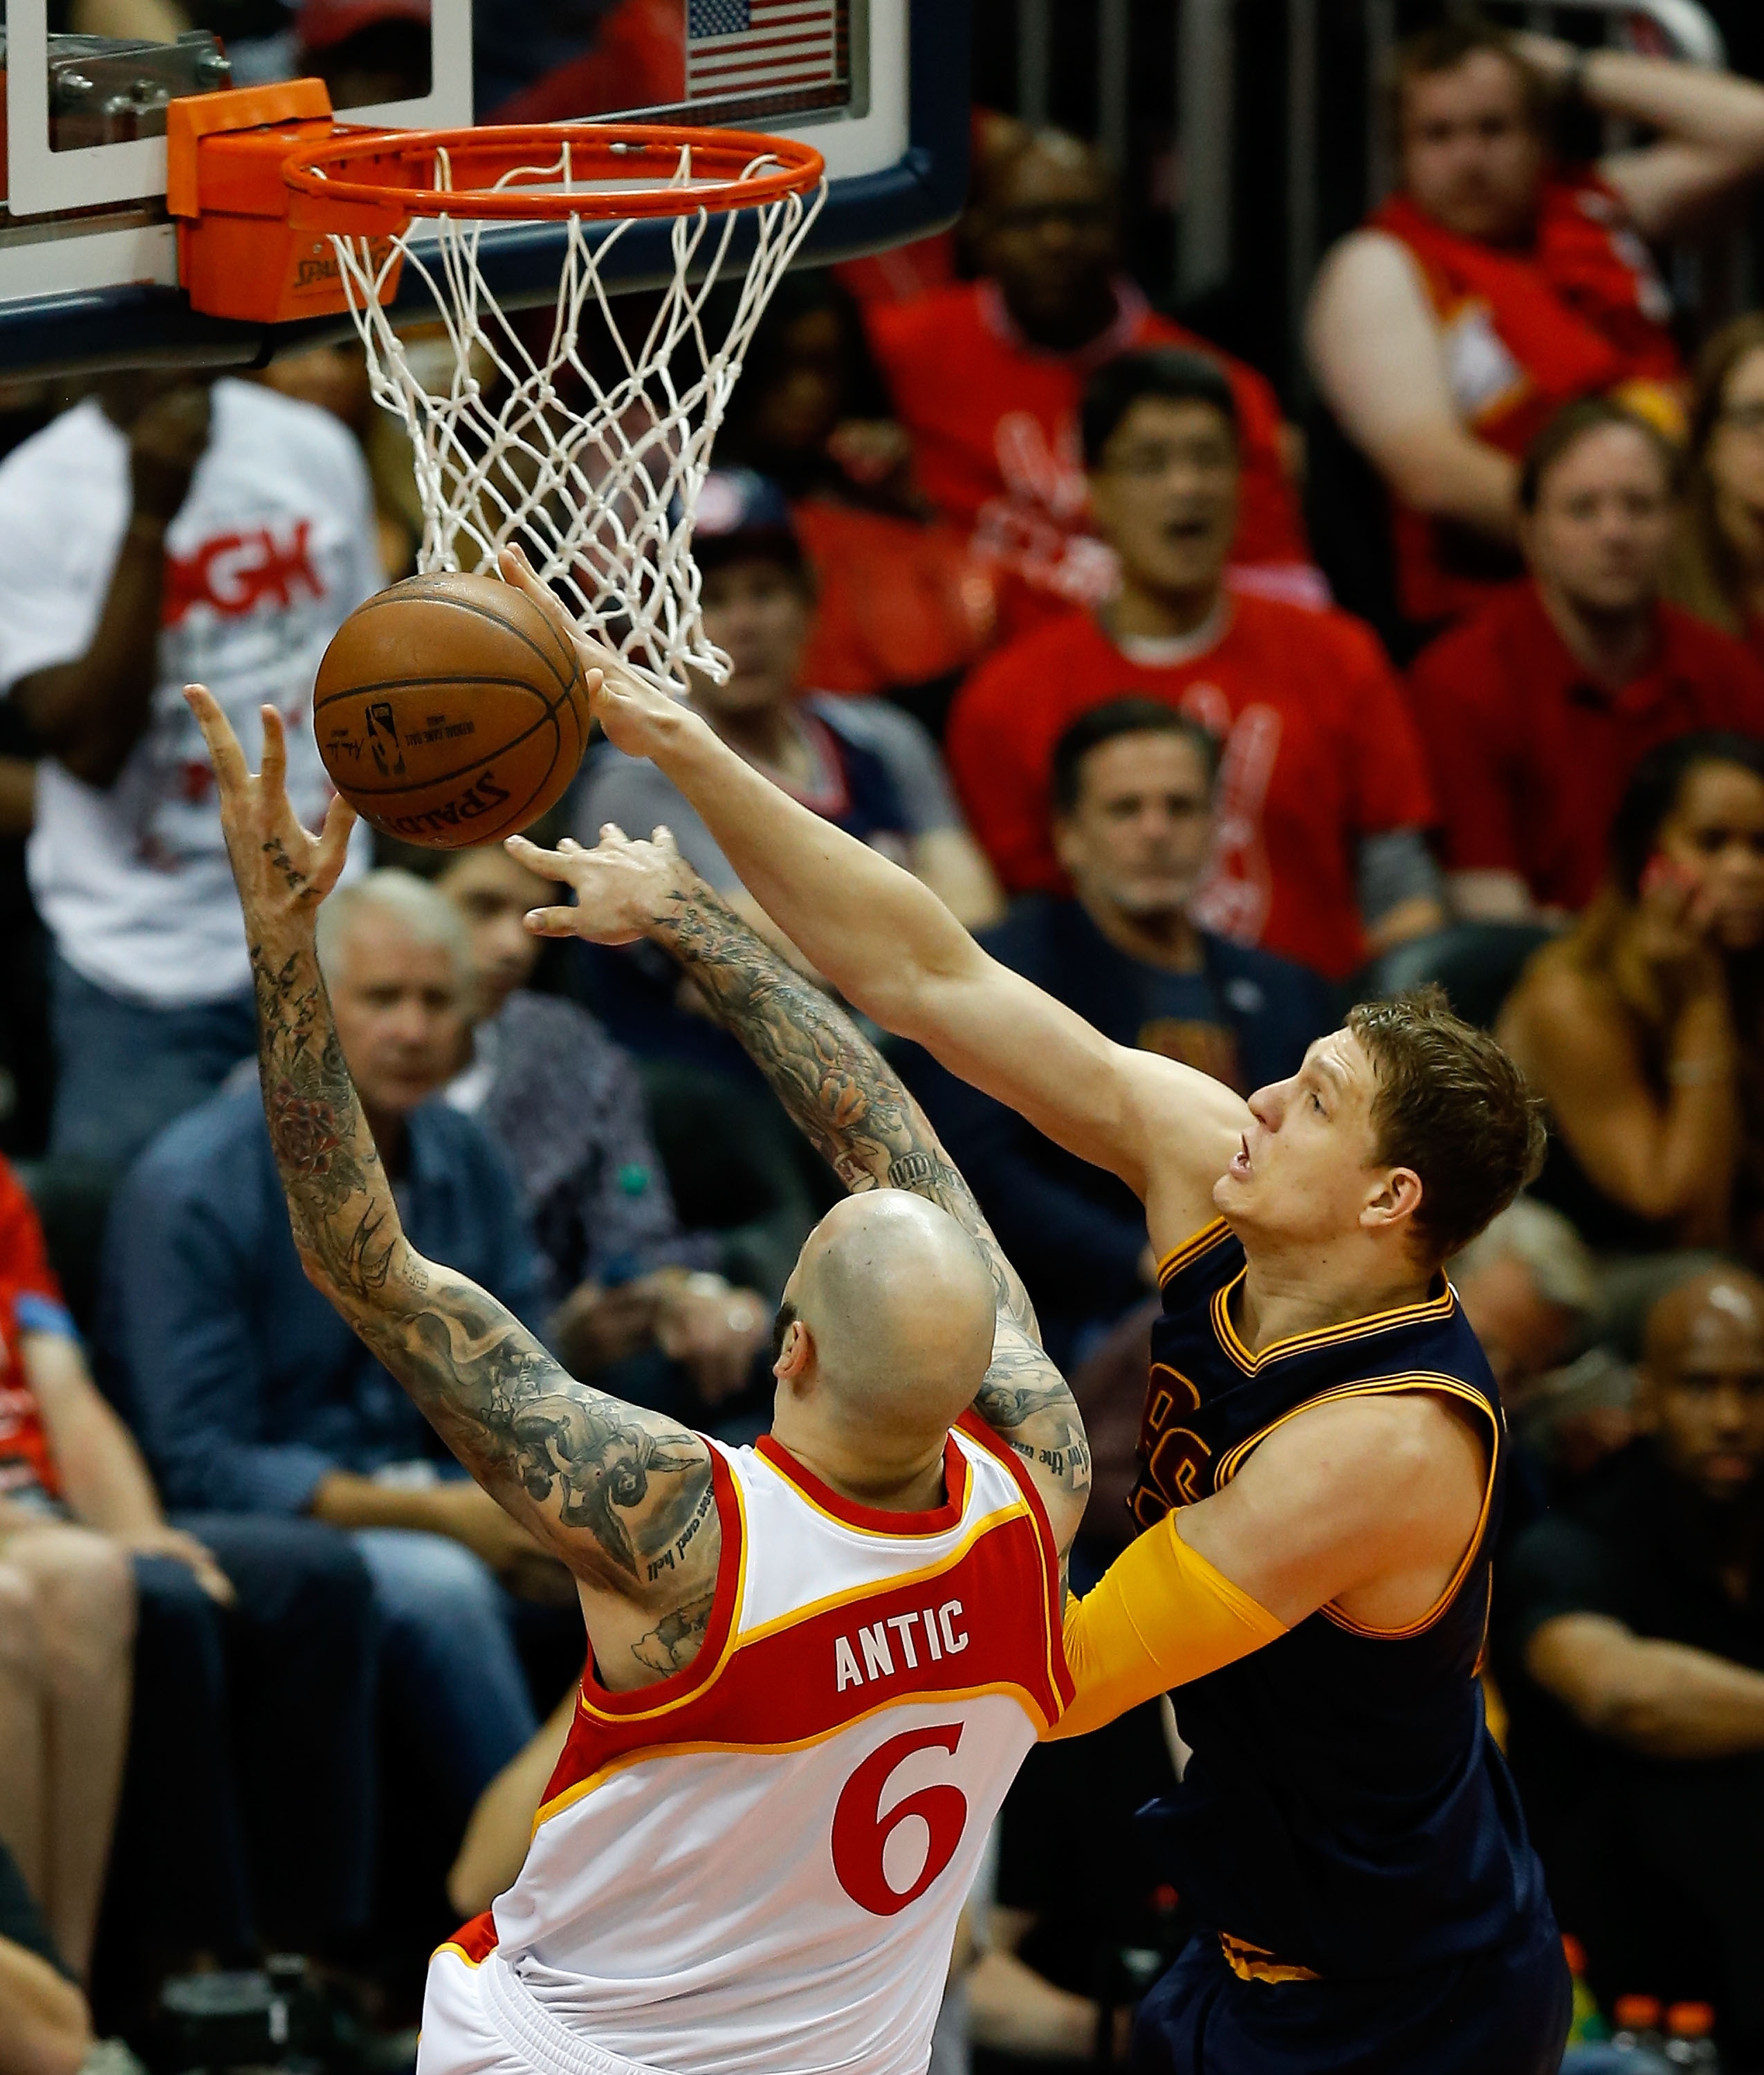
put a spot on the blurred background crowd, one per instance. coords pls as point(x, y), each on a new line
point(1220, 658)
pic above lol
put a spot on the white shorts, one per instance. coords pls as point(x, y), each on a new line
point(478, 2020)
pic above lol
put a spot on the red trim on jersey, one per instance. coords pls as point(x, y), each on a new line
point(679, 1685)
point(979, 1625)
point(474, 1941)
point(995, 1445)
point(871, 1519)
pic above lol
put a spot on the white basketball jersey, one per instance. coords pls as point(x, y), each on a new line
point(755, 1866)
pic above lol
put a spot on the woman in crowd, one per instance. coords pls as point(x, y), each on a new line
point(1718, 571)
point(1642, 1027)
point(566, 1105)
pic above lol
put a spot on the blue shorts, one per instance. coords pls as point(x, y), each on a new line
point(1501, 2012)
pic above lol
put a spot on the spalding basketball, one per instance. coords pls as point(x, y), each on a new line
point(449, 710)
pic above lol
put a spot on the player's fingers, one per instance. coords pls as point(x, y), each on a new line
point(224, 755)
point(513, 567)
point(516, 568)
point(662, 837)
point(334, 842)
point(611, 833)
point(544, 863)
point(274, 773)
point(553, 921)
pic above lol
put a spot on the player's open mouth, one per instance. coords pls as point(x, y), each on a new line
point(1239, 1160)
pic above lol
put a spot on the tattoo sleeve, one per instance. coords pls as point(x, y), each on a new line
point(852, 1105)
point(623, 1496)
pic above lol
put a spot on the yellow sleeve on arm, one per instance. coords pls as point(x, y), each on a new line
point(1163, 1615)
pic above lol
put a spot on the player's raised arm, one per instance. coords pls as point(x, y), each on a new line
point(621, 1495)
point(846, 1100)
point(894, 949)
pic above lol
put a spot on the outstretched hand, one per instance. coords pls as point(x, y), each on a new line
point(637, 718)
point(622, 888)
point(282, 871)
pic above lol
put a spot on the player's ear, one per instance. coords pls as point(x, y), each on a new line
point(1393, 1199)
point(796, 1352)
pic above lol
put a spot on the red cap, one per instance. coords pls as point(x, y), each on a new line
point(1690, 2021)
point(1637, 2013)
point(322, 23)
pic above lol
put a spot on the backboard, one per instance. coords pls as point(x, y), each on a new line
point(88, 253)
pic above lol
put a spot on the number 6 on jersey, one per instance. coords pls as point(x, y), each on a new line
point(862, 1835)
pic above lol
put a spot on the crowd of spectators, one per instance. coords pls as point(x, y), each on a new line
point(1015, 578)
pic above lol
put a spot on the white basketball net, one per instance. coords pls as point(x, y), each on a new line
point(599, 484)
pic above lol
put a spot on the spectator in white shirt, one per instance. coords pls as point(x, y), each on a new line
point(162, 532)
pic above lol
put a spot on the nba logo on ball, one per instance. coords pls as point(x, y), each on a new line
point(449, 710)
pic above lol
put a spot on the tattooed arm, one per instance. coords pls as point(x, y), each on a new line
point(623, 1496)
point(846, 1100)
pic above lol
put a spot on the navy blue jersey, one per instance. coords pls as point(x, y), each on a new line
point(1346, 1813)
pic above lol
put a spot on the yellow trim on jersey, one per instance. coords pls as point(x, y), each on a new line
point(1256, 1963)
point(1392, 1386)
point(1441, 1306)
point(958, 1506)
point(1054, 1621)
point(1191, 1249)
point(1052, 1596)
point(1014, 1510)
point(585, 1706)
point(458, 1951)
point(942, 1696)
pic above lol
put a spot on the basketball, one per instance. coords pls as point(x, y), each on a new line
point(449, 712)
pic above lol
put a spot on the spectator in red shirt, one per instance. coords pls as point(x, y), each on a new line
point(986, 376)
point(1495, 286)
point(1323, 794)
point(1536, 711)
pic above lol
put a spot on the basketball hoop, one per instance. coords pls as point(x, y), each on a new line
point(589, 452)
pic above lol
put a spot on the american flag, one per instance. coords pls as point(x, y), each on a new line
point(743, 46)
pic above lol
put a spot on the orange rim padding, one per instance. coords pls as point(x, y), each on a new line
point(395, 170)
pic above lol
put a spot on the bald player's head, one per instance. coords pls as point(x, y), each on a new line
point(886, 1330)
point(1702, 1394)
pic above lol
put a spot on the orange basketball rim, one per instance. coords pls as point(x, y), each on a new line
point(261, 178)
point(584, 445)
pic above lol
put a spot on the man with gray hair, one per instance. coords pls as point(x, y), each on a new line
point(251, 1396)
point(1529, 1286)
point(1558, 1339)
